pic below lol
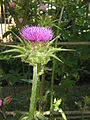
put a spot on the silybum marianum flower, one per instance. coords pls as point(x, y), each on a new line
point(36, 33)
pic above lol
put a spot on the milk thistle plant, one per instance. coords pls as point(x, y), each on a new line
point(36, 49)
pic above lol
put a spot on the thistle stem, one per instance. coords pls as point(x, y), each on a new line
point(54, 63)
point(41, 91)
point(33, 99)
point(3, 113)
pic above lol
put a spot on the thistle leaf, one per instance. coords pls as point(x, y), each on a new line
point(60, 49)
point(18, 47)
point(27, 45)
point(67, 50)
point(12, 50)
point(53, 50)
point(18, 56)
point(53, 40)
point(52, 55)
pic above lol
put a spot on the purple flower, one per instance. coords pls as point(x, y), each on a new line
point(20, 20)
point(0, 103)
point(12, 5)
point(35, 33)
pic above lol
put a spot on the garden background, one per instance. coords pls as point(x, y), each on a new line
point(70, 21)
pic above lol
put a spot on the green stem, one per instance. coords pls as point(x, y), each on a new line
point(82, 115)
point(3, 113)
point(41, 91)
point(33, 100)
point(54, 63)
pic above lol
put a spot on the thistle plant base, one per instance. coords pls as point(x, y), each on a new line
point(33, 99)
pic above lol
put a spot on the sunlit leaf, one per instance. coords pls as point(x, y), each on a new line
point(11, 50)
point(52, 55)
point(63, 114)
point(17, 47)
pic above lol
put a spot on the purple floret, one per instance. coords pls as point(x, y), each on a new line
point(35, 33)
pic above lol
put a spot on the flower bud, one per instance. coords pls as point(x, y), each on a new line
point(1, 103)
point(20, 20)
point(12, 5)
point(43, 8)
point(7, 100)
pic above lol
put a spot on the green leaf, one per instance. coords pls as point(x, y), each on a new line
point(53, 40)
point(54, 50)
point(17, 37)
point(52, 55)
point(27, 45)
point(67, 83)
point(18, 56)
point(58, 102)
point(40, 116)
point(17, 47)
point(57, 27)
point(63, 114)
point(61, 49)
point(67, 50)
point(24, 117)
point(12, 50)
point(27, 80)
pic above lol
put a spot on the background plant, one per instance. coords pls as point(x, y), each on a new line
point(83, 105)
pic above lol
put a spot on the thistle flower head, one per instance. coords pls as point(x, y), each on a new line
point(36, 33)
